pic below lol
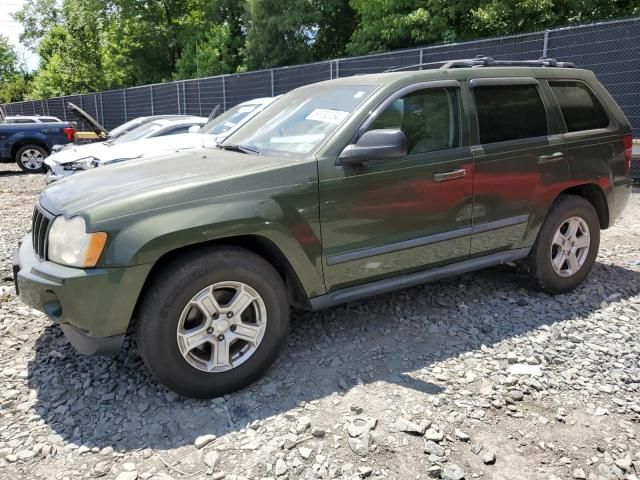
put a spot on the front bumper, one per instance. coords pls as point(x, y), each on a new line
point(56, 172)
point(92, 306)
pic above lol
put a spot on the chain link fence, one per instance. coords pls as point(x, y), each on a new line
point(610, 49)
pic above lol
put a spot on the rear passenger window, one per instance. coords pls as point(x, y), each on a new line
point(429, 119)
point(509, 112)
point(580, 107)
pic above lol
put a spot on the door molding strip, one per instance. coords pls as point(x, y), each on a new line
point(424, 241)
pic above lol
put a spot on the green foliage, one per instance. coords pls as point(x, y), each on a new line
point(391, 24)
point(88, 45)
point(8, 59)
point(296, 31)
point(37, 18)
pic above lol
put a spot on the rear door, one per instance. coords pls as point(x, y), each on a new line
point(518, 161)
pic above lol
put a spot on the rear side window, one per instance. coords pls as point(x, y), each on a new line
point(509, 112)
point(580, 107)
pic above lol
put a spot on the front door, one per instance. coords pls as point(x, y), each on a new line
point(393, 216)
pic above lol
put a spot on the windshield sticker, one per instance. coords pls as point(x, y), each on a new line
point(327, 116)
point(246, 109)
point(359, 94)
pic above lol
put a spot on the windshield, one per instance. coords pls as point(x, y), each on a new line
point(143, 131)
point(230, 119)
point(301, 120)
point(126, 127)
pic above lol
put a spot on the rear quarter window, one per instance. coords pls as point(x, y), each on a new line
point(509, 112)
point(580, 107)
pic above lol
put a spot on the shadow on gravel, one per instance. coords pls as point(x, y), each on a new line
point(15, 173)
point(102, 402)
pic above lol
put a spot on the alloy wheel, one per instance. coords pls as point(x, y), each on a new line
point(222, 326)
point(570, 246)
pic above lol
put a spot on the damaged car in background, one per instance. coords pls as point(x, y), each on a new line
point(141, 142)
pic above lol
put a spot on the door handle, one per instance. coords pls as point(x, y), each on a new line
point(443, 177)
point(554, 157)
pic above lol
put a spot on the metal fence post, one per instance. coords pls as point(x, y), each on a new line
point(124, 96)
point(338, 68)
point(151, 95)
point(224, 94)
point(273, 87)
point(330, 70)
point(199, 98)
point(545, 44)
point(421, 58)
point(178, 99)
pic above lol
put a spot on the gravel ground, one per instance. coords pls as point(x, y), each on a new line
point(473, 377)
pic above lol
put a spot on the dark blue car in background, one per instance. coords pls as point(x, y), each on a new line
point(28, 144)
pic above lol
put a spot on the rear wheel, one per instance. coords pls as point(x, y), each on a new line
point(566, 247)
point(30, 158)
point(213, 321)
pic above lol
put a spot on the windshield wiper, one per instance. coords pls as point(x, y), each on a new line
point(239, 148)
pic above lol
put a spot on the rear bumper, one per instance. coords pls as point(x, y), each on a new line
point(92, 306)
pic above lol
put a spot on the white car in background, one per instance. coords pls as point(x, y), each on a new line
point(85, 157)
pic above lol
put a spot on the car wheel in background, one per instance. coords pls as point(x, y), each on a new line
point(30, 158)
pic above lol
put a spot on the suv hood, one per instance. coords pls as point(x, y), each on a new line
point(88, 119)
point(105, 152)
point(158, 182)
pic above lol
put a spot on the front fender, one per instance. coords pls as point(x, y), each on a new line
point(293, 230)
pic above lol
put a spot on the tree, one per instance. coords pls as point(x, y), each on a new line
point(70, 55)
point(286, 32)
point(37, 18)
point(391, 24)
point(213, 39)
point(8, 59)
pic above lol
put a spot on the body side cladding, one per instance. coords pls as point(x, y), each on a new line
point(412, 279)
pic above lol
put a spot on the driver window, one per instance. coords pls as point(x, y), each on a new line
point(429, 119)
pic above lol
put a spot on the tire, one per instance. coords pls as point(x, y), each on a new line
point(30, 158)
point(165, 321)
point(567, 212)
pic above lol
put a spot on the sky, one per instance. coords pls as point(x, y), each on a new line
point(11, 29)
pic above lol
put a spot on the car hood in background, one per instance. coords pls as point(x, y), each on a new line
point(106, 152)
point(88, 119)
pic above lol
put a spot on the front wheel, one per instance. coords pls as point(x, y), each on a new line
point(566, 247)
point(30, 158)
point(212, 321)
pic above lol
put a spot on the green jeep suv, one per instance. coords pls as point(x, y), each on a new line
point(336, 192)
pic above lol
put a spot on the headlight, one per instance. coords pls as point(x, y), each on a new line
point(70, 244)
point(82, 164)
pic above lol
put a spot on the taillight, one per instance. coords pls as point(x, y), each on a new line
point(627, 142)
point(70, 133)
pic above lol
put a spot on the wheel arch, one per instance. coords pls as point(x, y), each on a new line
point(594, 194)
point(257, 244)
point(23, 142)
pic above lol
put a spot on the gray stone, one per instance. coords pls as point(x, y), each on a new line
point(452, 472)
point(204, 440)
point(433, 448)
point(489, 457)
point(281, 467)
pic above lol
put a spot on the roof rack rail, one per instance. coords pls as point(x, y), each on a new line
point(484, 61)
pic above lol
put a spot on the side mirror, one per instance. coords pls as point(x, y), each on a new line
point(375, 145)
point(194, 128)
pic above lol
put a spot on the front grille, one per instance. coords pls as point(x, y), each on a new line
point(40, 224)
